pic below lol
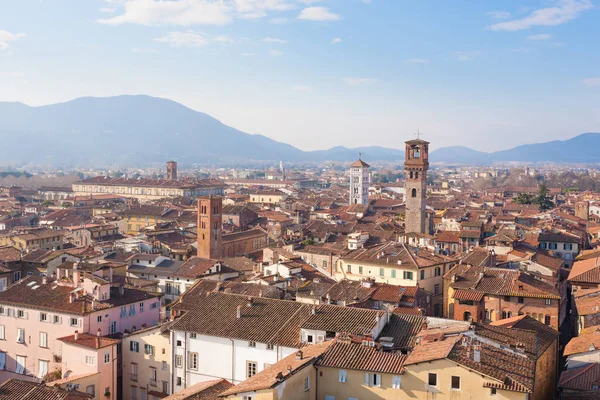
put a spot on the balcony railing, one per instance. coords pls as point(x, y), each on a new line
point(153, 382)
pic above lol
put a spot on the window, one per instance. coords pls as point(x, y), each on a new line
point(396, 382)
point(179, 343)
point(568, 246)
point(437, 271)
point(165, 387)
point(20, 335)
point(407, 275)
point(360, 270)
point(134, 346)
point(2, 360)
point(21, 314)
point(506, 298)
point(552, 246)
point(43, 366)
point(381, 272)
point(393, 273)
point(309, 338)
point(168, 288)
point(148, 350)
point(520, 300)
point(372, 379)
point(131, 309)
point(20, 367)
point(164, 366)
point(74, 321)
point(432, 379)
point(90, 360)
point(2, 333)
point(548, 302)
point(43, 339)
point(436, 289)
point(455, 382)
point(43, 317)
point(251, 368)
point(56, 319)
point(141, 307)
point(422, 274)
point(113, 327)
point(492, 391)
point(252, 344)
point(106, 357)
point(99, 319)
point(179, 361)
point(133, 393)
point(349, 268)
point(547, 320)
point(193, 360)
point(17, 276)
point(343, 375)
point(414, 193)
point(178, 381)
point(91, 390)
point(247, 398)
point(270, 346)
point(324, 264)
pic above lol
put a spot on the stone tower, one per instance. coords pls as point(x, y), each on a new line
point(416, 164)
point(209, 227)
point(582, 210)
point(359, 182)
point(172, 170)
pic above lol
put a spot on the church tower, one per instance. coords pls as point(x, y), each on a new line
point(209, 227)
point(416, 164)
point(359, 182)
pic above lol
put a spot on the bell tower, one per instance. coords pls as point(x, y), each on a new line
point(209, 227)
point(416, 164)
point(359, 182)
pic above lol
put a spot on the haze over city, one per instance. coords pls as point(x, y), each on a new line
point(317, 74)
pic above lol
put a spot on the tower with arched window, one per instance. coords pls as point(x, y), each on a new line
point(209, 227)
point(416, 164)
point(359, 182)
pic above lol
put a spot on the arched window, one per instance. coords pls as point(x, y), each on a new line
point(467, 316)
point(417, 152)
point(411, 174)
point(417, 175)
point(414, 193)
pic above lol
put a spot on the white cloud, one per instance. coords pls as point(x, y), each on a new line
point(318, 14)
point(465, 55)
point(353, 81)
point(541, 36)
point(274, 40)
point(247, 54)
point(336, 40)
point(302, 89)
point(108, 10)
point(418, 61)
point(6, 37)
point(564, 11)
point(498, 14)
point(275, 53)
point(591, 82)
point(143, 50)
point(194, 12)
point(191, 39)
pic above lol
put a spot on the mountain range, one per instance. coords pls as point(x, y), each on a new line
point(142, 130)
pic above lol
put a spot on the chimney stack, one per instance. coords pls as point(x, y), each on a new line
point(44, 280)
point(76, 274)
point(314, 310)
point(250, 301)
point(299, 355)
point(98, 332)
point(239, 311)
point(58, 274)
point(76, 335)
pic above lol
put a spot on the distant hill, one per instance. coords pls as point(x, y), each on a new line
point(143, 130)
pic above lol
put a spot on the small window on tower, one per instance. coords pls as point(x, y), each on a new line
point(414, 193)
point(417, 152)
point(411, 174)
point(417, 175)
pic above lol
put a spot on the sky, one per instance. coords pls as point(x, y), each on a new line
point(487, 74)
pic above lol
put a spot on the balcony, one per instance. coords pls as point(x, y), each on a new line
point(134, 377)
point(153, 382)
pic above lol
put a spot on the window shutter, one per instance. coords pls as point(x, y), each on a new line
point(367, 378)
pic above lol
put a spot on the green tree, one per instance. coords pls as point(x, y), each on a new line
point(524, 198)
point(542, 199)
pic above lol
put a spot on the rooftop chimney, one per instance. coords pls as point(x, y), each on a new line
point(44, 280)
point(314, 310)
point(250, 301)
point(76, 335)
point(239, 311)
point(121, 289)
point(477, 353)
point(98, 332)
point(299, 355)
point(58, 274)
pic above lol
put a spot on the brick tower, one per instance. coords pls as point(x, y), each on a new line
point(582, 210)
point(172, 170)
point(416, 164)
point(209, 227)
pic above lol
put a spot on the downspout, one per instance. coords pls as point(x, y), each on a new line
point(185, 359)
point(232, 360)
point(171, 337)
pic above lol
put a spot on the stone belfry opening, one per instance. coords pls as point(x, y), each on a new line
point(416, 164)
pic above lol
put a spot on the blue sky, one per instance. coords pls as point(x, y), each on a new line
point(315, 74)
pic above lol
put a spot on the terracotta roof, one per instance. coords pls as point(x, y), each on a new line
point(89, 340)
point(448, 237)
point(15, 389)
point(356, 356)
point(588, 340)
point(359, 164)
point(583, 378)
point(585, 271)
point(432, 350)
point(277, 373)
point(402, 327)
point(209, 390)
point(468, 295)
